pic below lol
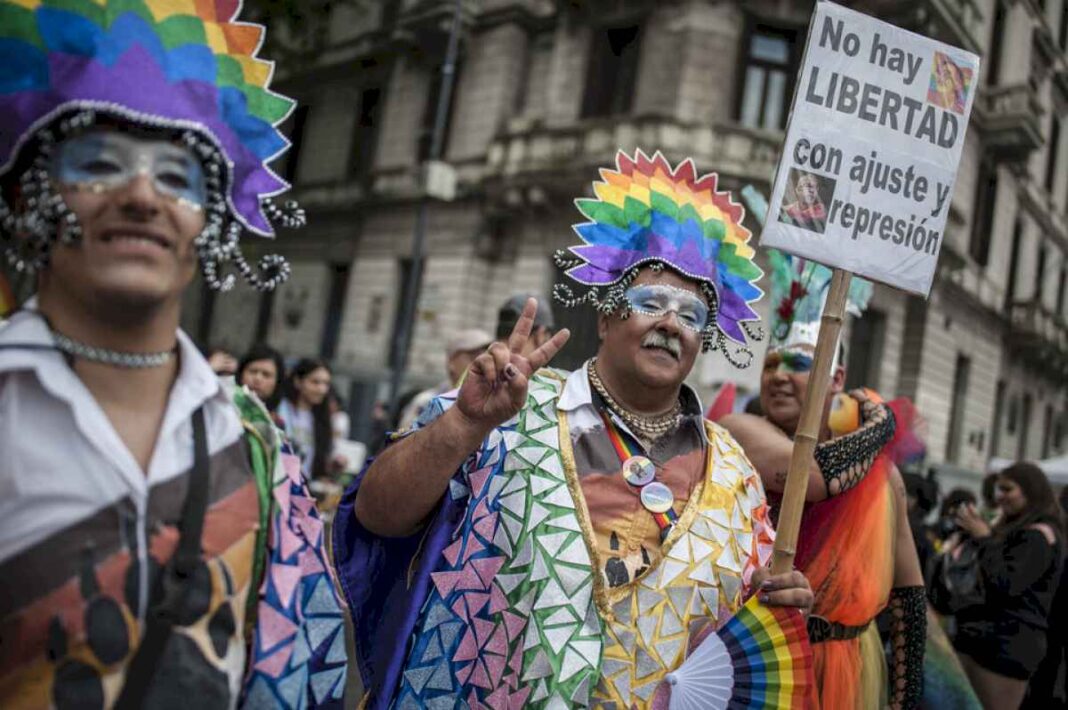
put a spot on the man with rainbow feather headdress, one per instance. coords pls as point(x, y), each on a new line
point(158, 545)
point(554, 539)
point(856, 547)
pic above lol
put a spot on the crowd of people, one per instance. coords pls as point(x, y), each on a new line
point(302, 402)
point(525, 536)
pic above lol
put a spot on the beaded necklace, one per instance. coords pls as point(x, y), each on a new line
point(648, 428)
point(115, 358)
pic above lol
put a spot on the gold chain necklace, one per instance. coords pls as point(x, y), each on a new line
point(647, 428)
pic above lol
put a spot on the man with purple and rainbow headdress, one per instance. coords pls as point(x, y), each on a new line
point(157, 543)
point(552, 539)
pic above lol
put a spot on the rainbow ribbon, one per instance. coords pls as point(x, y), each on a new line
point(625, 450)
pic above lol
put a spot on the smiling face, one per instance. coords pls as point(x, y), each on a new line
point(1010, 497)
point(784, 381)
point(139, 203)
point(650, 350)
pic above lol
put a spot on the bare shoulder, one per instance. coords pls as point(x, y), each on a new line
point(738, 419)
point(1047, 532)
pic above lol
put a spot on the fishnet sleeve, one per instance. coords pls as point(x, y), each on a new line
point(846, 460)
point(908, 636)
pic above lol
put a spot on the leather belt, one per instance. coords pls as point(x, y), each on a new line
point(821, 629)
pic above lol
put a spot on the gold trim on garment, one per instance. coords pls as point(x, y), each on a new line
point(606, 597)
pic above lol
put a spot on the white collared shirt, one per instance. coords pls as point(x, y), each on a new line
point(62, 460)
point(576, 400)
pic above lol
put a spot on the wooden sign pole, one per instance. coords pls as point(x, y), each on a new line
point(808, 429)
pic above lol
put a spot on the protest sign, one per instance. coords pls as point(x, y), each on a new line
point(872, 147)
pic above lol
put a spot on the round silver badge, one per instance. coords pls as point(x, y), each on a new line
point(657, 498)
point(639, 470)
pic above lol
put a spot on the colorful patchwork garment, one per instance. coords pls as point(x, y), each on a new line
point(502, 601)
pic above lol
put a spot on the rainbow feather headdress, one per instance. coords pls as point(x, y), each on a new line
point(186, 66)
point(648, 213)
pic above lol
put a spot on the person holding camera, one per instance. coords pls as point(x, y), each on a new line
point(1001, 626)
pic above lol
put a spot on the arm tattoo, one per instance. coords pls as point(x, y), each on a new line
point(908, 636)
point(846, 460)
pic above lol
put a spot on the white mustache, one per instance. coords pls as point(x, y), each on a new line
point(656, 339)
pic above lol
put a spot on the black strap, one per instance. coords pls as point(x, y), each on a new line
point(161, 617)
point(821, 629)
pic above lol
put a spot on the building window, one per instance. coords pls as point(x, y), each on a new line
point(404, 272)
point(956, 410)
point(997, 30)
point(1062, 36)
point(365, 133)
point(1051, 156)
point(1058, 306)
point(263, 316)
point(995, 426)
point(296, 142)
point(1025, 427)
point(865, 352)
point(1047, 431)
point(426, 130)
point(986, 191)
point(335, 306)
point(1040, 273)
point(612, 71)
point(1014, 263)
point(770, 71)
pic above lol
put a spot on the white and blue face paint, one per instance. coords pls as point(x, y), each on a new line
point(657, 300)
point(107, 160)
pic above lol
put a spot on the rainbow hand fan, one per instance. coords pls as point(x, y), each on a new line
point(761, 658)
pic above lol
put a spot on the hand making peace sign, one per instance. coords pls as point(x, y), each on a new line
point(495, 387)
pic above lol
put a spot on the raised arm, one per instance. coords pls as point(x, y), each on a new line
point(405, 483)
point(838, 465)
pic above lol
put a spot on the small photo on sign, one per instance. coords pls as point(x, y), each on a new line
point(804, 203)
point(950, 83)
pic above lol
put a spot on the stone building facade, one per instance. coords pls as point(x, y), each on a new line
point(547, 90)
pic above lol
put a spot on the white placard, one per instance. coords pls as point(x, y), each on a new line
point(866, 176)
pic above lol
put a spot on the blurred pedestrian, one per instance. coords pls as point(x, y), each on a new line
point(947, 527)
point(221, 361)
point(921, 495)
point(1002, 640)
point(263, 370)
point(306, 413)
point(544, 324)
point(460, 352)
point(1049, 684)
